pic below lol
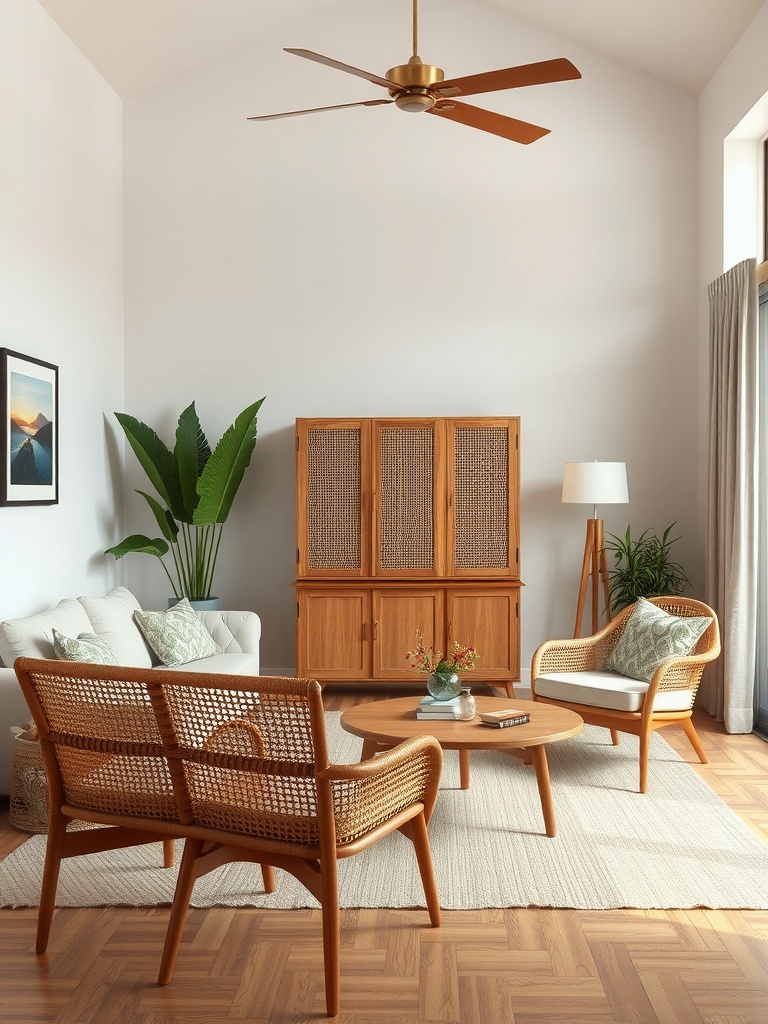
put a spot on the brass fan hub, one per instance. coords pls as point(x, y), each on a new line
point(416, 80)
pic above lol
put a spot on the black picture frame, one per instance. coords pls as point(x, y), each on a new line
point(29, 406)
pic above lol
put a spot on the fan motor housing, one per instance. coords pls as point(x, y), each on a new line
point(416, 80)
point(415, 74)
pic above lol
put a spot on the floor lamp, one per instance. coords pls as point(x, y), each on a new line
point(594, 483)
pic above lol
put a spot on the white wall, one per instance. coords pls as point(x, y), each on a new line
point(61, 295)
point(369, 262)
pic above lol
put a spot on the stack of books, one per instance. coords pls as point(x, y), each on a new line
point(437, 710)
point(503, 719)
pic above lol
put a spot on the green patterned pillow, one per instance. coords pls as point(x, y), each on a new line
point(651, 636)
point(177, 635)
point(88, 647)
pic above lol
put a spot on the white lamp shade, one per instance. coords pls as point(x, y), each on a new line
point(595, 483)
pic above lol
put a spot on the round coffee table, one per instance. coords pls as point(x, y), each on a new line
point(382, 724)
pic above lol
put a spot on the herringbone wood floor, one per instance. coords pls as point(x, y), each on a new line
point(483, 967)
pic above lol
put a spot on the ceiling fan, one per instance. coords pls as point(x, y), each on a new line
point(417, 87)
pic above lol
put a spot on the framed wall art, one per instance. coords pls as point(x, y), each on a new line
point(29, 430)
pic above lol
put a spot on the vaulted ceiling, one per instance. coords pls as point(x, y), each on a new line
point(135, 44)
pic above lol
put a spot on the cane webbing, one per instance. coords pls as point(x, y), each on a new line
point(334, 499)
point(230, 757)
point(406, 518)
point(481, 498)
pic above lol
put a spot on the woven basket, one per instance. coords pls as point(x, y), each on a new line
point(29, 787)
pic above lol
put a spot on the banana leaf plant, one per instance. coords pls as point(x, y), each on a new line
point(196, 487)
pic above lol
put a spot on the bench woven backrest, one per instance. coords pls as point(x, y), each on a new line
point(227, 754)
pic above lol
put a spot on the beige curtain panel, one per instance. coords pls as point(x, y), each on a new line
point(732, 496)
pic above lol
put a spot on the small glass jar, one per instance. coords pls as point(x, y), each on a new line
point(466, 708)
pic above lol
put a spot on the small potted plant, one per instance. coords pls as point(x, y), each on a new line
point(643, 567)
point(196, 487)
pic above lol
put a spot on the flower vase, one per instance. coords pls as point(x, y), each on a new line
point(444, 685)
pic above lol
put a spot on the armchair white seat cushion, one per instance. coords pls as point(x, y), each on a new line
point(601, 689)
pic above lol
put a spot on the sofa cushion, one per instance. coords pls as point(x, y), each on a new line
point(111, 617)
point(226, 664)
point(32, 636)
point(177, 635)
point(652, 635)
point(88, 647)
point(610, 690)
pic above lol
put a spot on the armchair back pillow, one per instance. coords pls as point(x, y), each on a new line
point(652, 635)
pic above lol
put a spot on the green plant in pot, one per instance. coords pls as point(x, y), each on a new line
point(196, 487)
point(643, 567)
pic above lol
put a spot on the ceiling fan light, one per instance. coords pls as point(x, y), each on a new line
point(414, 102)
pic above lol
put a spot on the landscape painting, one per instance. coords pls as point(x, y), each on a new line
point(29, 422)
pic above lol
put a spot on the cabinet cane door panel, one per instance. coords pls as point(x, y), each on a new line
point(397, 615)
point(488, 620)
point(483, 484)
point(334, 634)
point(333, 498)
point(409, 523)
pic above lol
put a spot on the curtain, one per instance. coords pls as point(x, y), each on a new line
point(732, 494)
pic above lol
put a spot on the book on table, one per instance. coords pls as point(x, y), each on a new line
point(504, 719)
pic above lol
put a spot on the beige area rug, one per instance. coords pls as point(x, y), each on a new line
point(677, 846)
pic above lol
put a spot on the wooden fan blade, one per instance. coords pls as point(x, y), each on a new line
point(316, 110)
point(559, 70)
point(320, 59)
point(487, 121)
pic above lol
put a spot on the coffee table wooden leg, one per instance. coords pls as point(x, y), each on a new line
point(545, 790)
point(464, 768)
point(369, 749)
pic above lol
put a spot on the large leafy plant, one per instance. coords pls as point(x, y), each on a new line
point(196, 487)
point(643, 567)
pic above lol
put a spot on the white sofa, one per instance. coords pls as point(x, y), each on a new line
point(237, 633)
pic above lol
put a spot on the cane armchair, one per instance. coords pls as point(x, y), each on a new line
point(237, 766)
point(576, 674)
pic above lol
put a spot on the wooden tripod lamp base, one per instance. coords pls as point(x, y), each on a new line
point(594, 566)
point(594, 483)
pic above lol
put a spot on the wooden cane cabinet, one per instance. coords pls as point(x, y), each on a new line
point(406, 525)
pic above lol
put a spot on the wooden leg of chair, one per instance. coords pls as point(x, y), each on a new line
point(615, 737)
point(268, 876)
point(510, 688)
point(186, 880)
point(645, 747)
point(331, 934)
point(426, 869)
point(169, 853)
point(57, 827)
point(693, 736)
